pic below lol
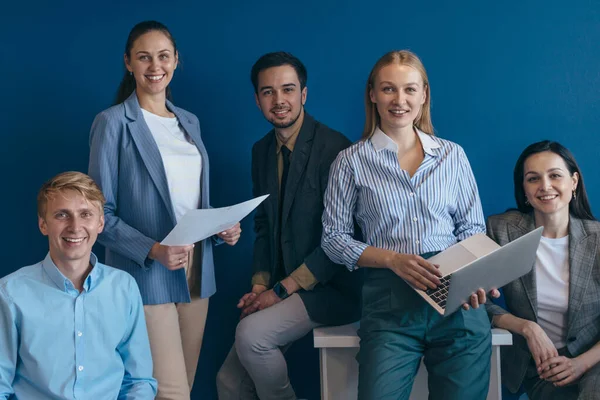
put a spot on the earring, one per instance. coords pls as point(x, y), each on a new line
point(527, 202)
point(574, 195)
point(130, 73)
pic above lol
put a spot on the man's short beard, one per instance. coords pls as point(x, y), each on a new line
point(287, 124)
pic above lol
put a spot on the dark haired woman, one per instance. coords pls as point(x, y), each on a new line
point(148, 157)
point(555, 309)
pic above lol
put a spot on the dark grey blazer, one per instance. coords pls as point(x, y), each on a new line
point(583, 316)
point(336, 299)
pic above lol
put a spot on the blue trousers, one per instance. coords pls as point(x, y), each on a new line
point(398, 328)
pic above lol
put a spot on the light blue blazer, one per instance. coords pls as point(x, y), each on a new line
point(126, 163)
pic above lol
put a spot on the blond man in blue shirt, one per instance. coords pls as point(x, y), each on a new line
point(71, 327)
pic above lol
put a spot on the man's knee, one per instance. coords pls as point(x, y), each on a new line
point(249, 338)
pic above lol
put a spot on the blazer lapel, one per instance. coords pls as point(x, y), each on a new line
point(582, 253)
point(142, 137)
point(192, 128)
point(300, 157)
point(526, 225)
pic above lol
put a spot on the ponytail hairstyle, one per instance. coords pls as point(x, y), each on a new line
point(127, 85)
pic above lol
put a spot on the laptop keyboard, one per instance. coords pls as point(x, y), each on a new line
point(440, 294)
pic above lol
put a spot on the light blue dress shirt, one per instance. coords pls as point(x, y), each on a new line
point(430, 211)
point(58, 343)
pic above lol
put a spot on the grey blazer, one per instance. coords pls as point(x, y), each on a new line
point(126, 163)
point(583, 315)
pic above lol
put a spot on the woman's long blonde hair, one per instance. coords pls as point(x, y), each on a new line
point(401, 57)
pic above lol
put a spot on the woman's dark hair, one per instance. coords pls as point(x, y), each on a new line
point(278, 59)
point(579, 205)
point(127, 85)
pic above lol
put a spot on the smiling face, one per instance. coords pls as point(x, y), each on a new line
point(279, 96)
point(152, 60)
point(548, 184)
point(72, 224)
point(398, 92)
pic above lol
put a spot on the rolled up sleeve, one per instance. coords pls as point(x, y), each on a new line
point(338, 216)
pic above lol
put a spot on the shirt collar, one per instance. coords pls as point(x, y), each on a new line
point(381, 141)
point(291, 142)
point(62, 282)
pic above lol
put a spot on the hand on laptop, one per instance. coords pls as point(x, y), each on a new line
point(415, 270)
point(480, 298)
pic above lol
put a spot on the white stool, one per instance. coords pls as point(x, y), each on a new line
point(338, 346)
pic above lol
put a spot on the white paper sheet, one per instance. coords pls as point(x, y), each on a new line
point(197, 225)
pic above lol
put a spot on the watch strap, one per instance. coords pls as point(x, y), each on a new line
point(280, 291)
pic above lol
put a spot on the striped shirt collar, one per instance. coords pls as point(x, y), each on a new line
point(382, 141)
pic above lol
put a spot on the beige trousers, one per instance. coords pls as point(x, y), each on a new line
point(176, 331)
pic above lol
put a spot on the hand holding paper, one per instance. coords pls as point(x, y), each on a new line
point(197, 225)
point(172, 257)
point(231, 235)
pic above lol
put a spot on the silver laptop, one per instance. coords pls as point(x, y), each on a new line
point(478, 262)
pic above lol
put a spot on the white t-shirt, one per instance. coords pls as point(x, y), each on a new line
point(182, 161)
point(552, 280)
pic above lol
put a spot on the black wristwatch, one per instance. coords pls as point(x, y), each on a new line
point(281, 291)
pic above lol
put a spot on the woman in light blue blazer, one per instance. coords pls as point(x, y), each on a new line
point(148, 157)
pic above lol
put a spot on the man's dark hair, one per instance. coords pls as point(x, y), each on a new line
point(278, 59)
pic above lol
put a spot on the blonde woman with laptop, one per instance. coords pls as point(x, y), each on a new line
point(413, 195)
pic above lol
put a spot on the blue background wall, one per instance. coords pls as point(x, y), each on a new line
point(503, 75)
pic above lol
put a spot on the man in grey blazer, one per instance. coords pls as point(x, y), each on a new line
point(583, 315)
point(295, 287)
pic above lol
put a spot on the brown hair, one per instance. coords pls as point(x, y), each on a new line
point(128, 84)
point(72, 180)
point(401, 57)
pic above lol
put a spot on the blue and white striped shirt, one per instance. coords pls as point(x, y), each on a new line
point(431, 211)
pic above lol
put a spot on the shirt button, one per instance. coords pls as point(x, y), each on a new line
point(417, 241)
point(80, 368)
point(79, 333)
point(412, 193)
point(415, 219)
